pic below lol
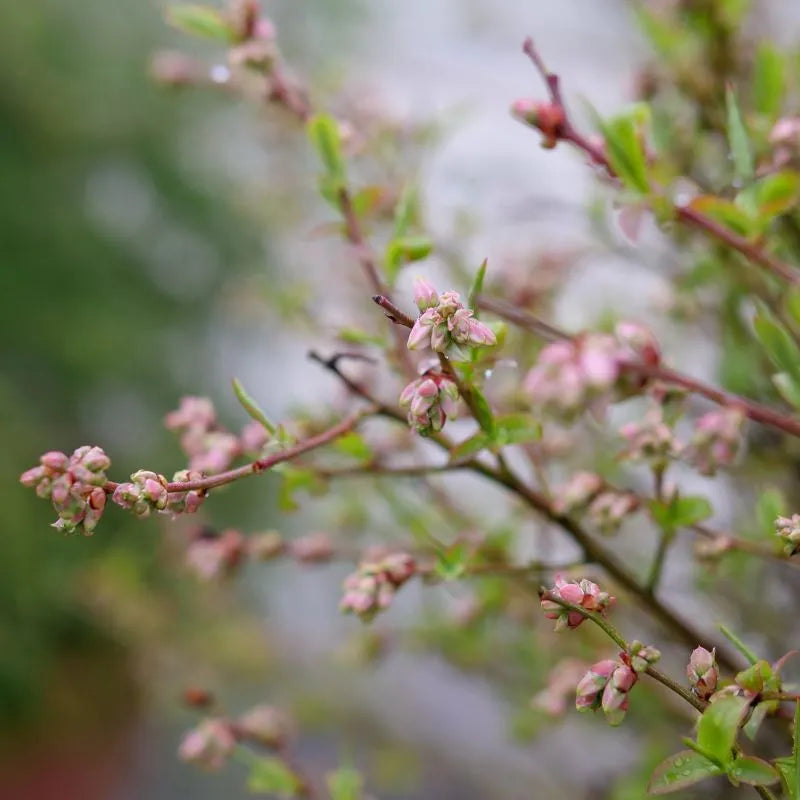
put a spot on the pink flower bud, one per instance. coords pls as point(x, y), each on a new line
point(577, 492)
point(425, 295)
point(703, 672)
point(641, 656)
point(33, 476)
point(313, 548)
point(55, 461)
point(420, 334)
point(590, 687)
point(264, 725)
point(209, 744)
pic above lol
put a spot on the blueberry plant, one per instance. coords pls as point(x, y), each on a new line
point(710, 153)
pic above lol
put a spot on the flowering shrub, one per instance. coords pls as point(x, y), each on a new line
point(740, 242)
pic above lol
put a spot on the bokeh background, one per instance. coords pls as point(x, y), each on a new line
point(142, 237)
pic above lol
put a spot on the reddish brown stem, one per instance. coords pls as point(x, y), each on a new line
point(263, 464)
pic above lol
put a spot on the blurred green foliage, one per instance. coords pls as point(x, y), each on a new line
point(92, 319)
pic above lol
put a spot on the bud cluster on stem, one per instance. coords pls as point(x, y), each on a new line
point(74, 485)
point(583, 593)
point(445, 325)
point(372, 587)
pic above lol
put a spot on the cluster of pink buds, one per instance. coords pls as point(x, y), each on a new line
point(430, 400)
point(716, 440)
point(788, 529)
point(608, 683)
point(445, 325)
point(703, 672)
point(147, 492)
point(609, 509)
point(210, 448)
point(577, 492)
point(584, 492)
point(372, 587)
point(211, 743)
point(650, 440)
point(571, 375)
point(583, 593)
point(211, 554)
point(254, 34)
point(74, 484)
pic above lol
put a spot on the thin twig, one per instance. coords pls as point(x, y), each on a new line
point(750, 408)
point(684, 213)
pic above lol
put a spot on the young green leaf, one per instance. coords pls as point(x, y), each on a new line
point(404, 250)
point(788, 388)
point(770, 504)
point(747, 769)
point(251, 407)
point(777, 342)
point(738, 140)
point(729, 214)
point(517, 429)
point(482, 411)
point(679, 512)
point(406, 211)
point(324, 135)
point(272, 776)
point(353, 444)
point(625, 152)
point(452, 562)
point(345, 784)
point(769, 80)
point(738, 644)
point(469, 447)
point(477, 285)
point(718, 727)
point(681, 770)
point(202, 21)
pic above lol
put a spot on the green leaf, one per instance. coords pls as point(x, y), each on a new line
point(324, 135)
point(345, 784)
point(796, 751)
point(625, 151)
point(769, 197)
point(777, 342)
point(477, 285)
point(482, 411)
point(452, 562)
point(251, 407)
point(680, 512)
point(353, 444)
point(725, 212)
point(517, 429)
point(404, 250)
point(738, 140)
point(681, 770)
point(788, 388)
point(769, 80)
point(770, 505)
point(358, 336)
point(296, 480)
point(271, 776)
point(748, 769)
point(406, 210)
point(789, 766)
point(203, 21)
point(718, 727)
point(469, 447)
point(738, 644)
point(792, 301)
point(788, 774)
